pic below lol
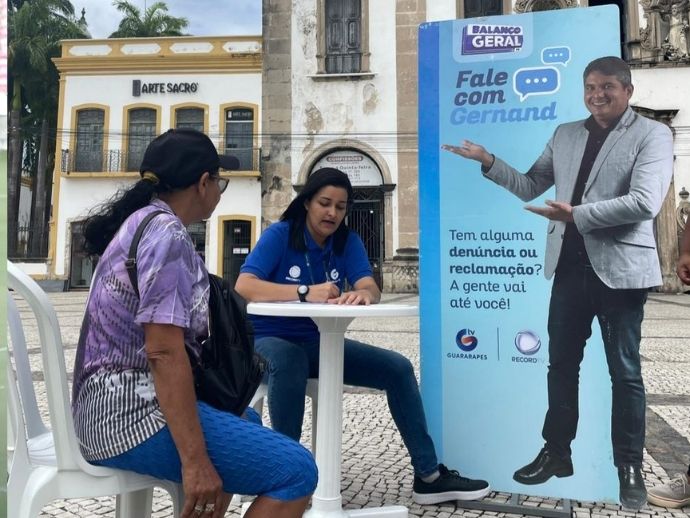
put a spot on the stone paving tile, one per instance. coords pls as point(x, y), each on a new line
point(376, 467)
point(668, 329)
point(676, 349)
point(667, 378)
point(678, 417)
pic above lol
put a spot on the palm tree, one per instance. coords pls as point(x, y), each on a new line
point(155, 21)
point(35, 29)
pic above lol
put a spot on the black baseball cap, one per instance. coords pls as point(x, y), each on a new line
point(179, 157)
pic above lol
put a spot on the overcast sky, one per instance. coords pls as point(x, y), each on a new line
point(206, 17)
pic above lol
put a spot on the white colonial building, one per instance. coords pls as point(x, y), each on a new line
point(116, 95)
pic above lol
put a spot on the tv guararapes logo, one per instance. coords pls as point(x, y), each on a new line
point(466, 340)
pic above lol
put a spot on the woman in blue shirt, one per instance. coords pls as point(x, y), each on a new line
point(308, 255)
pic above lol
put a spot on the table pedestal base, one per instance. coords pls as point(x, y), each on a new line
point(392, 511)
point(332, 321)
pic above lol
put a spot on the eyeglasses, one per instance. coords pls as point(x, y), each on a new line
point(222, 183)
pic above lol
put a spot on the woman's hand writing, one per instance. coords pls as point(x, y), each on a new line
point(355, 297)
point(322, 292)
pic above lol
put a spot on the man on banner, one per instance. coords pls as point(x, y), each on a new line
point(611, 172)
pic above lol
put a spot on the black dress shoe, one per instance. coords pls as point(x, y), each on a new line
point(545, 466)
point(633, 494)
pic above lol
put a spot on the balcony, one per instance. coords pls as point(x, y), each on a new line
point(118, 161)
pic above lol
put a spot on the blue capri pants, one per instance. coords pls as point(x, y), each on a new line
point(250, 459)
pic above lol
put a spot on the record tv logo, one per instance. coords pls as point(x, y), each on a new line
point(527, 342)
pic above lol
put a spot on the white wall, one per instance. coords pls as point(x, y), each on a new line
point(665, 89)
point(78, 194)
point(116, 91)
point(365, 109)
point(25, 196)
point(438, 10)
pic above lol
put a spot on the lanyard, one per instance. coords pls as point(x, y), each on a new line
point(326, 265)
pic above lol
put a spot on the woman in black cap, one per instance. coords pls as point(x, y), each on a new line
point(308, 256)
point(134, 404)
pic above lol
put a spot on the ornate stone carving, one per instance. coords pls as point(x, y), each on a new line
point(666, 33)
point(683, 210)
point(676, 43)
point(528, 6)
point(655, 12)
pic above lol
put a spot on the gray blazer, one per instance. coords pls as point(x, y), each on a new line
point(624, 192)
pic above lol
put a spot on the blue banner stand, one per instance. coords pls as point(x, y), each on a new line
point(505, 82)
point(514, 506)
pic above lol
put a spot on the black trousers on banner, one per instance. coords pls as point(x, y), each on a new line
point(577, 296)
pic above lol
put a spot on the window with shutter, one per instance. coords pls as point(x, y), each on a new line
point(141, 131)
point(476, 8)
point(343, 36)
point(89, 141)
point(190, 118)
point(239, 135)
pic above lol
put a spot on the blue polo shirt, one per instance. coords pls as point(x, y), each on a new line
point(273, 260)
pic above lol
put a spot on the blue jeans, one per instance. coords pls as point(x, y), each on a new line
point(577, 296)
point(290, 364)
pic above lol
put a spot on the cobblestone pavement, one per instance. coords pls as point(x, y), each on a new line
point(376, 468)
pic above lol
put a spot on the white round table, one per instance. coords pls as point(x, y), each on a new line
point(332, 321)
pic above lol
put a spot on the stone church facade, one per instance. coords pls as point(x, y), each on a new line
point(340, 85)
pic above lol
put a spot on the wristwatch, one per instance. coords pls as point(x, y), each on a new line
point(302, 291)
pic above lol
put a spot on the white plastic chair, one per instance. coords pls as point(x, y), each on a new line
point(257, 402)
point(46, 465)
point(37, 444)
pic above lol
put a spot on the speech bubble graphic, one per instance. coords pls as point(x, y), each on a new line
point(536, 81)
point(555, 56)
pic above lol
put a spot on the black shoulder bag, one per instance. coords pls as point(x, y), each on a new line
point(228, 370)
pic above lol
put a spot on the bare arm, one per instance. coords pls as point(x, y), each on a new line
point(254, 289)
point(172, 378)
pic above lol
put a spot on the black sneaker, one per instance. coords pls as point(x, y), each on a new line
point(449, 486)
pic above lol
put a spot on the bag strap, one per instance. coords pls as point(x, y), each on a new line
point(131, 262)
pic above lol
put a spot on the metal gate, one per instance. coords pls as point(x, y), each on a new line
point(237, 240)
point(366, 218)
point(81, 264)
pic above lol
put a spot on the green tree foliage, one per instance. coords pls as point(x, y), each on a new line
point(35, 28)
point(155, 21)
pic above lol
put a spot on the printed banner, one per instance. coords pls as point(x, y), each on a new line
point(504, 82)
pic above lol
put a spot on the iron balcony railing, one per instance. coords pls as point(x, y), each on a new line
point(118, 161)
point(32, 243)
